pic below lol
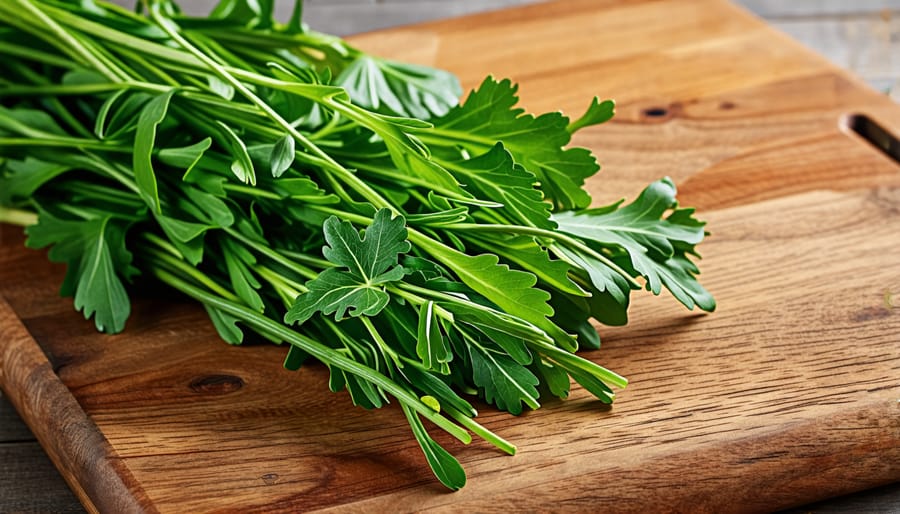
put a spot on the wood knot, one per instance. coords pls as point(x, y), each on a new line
point(270, 478)
point(661, 113)
point(656, 112)
point(872, 313)
point(216, 384)
point(727, 105)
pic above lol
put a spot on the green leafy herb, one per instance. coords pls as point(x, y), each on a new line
point(432, 251)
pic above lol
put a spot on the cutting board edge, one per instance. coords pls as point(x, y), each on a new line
point(79, 450)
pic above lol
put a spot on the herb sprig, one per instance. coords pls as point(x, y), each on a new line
point(330, 200)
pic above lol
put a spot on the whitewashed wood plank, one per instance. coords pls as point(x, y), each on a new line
point(817, 8)
point(352, 19)
point(868, 46)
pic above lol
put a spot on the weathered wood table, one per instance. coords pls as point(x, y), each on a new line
point(789, 393)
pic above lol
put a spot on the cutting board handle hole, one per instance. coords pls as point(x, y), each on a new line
point(875, 134)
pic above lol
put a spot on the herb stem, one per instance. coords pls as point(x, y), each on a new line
point(547, 234)
point(272, 254)
point(64, 41)
point(480, 430)
point(17, 216)
point(65, 142)
point(318, 350)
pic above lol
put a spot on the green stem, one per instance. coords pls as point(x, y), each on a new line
point(62, 142)
point(272, 254)
point(583, 364)
point(17, 216)
point(32, 54)
point(64, 40)
point(547, 234)
point(228, 75)
point(316, 349)
point(480, 430)
point(287, 289)
point(385, 348)
point(251, 191)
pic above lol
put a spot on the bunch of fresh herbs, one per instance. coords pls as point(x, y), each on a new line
point(304, 191)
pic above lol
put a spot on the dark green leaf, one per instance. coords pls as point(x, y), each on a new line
point(446, 468)
point(151, 115)
point(92, 265)
point(431, 347)
point(226, 325)
point(505, 382)
point(555, 378)
point(494, 176)
point(282, 155)
point(27, 176)
point(241, 165)
point(185, 157)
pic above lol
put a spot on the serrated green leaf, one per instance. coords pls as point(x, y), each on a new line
point(365, 263)
point(649, 239)
point(495, 176)
point(528, 254)
point(505, 382)
point(95, 255)
point(603, 277)
point(369, 256)
point(513, 346)
point(100, 292)
point(555, 378)
point(511, 290)
point(488, 115)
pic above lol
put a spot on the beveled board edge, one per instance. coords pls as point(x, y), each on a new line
point(84, 457)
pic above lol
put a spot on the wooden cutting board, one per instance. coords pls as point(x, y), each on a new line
point(789, 393)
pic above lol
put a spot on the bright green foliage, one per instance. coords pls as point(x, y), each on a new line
point(370, 262)
point(400, 89)
point(431, 251)
point(656, 247)
point(505, 382)
point(94, 251)
point(489, 116)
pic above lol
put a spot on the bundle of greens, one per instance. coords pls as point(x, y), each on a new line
point(311, 194)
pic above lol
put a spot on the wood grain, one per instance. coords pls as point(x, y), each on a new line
point(789, 393)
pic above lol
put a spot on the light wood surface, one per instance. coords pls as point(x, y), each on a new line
point(789, 393)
